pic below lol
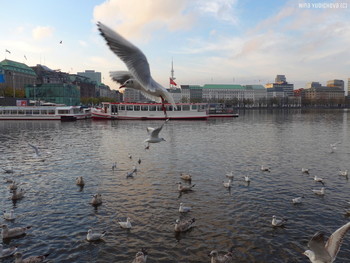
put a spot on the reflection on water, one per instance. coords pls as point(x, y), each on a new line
point(60, 212)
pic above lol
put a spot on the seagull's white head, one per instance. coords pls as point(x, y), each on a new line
point(128, 84)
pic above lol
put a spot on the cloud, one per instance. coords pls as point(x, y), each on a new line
point(41, 32)
point(138, 19)
point(220, 9)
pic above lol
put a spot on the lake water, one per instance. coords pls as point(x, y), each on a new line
point(60, 214)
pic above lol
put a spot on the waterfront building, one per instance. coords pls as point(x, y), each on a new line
point(14, 77)
point(231, 93)
point(323, 95)
point(53, 86)
point(336, 83)
point(348, 87)
point(176, 93)
point(86, 85)
point(280, 88)
point(313, 85)
point(91, 74)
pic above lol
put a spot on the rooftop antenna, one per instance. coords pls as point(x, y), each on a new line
point(172, 74)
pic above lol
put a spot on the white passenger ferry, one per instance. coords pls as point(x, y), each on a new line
point(150, 111)
point(62, 113)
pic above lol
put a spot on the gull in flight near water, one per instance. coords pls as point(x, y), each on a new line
point(321, 252)
point(139, 71)
point(154, 134)
point(141, 256)
point(36, 149)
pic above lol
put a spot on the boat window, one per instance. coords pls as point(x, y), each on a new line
point(21, 112)
point(194, 107)
point(44, 112)
point(51, 111)
point(144, 107)
point(136, 107)
point(63, 111)
point(159, 108)
point(152, 108)
point(14, 112)
point(185, 107)
point(121, 107)
point(178, 108)
point(28, 112)
point(36, 112)
point(169, 108)
point(129, 107)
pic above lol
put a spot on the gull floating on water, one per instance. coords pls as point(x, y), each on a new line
point(229, 175)
point(138, 66)
point(125, 224)
point(80, 181)
point(182, 226)
point(216, 258)
point(333, 146)
point(319, 192)
point(17, 195)
point(298, 200)
point(228, 184)
point(9, 215)
point(130, 156)
point(31, 259)
point(91, 236)
point(183, 188)
point(278, 222)
point(247, 179)
point(318, 179)
point(321, 252)
point(305, 170)
point(186, 177)
point(343, 173)
point(13, 232)
point(154, 134)
point(184, 209)
point(264, 168)
point(7, 251)
point(96, 199)
point(141, 256)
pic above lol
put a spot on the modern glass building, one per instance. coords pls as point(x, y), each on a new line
point(59, 93)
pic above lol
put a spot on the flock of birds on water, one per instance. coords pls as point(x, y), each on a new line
point(138, 77)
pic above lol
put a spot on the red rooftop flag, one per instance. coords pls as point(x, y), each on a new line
point(172, 82)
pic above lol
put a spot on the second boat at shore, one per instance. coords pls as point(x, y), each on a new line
point(154, 111)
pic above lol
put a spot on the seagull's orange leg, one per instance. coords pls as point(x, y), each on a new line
point(163, 107)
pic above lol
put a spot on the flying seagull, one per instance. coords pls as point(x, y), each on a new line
point(321, 252)
point(137, 65)
point(154, 134)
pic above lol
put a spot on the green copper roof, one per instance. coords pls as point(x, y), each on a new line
point(222, 86)
point(16, 67)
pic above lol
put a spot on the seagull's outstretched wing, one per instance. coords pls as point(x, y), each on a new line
point(316, 244)
point(335, 240)
point(155, 132)
point(35, 149)
point(131, 55)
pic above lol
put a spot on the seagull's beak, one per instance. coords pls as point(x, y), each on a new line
point(122, 86)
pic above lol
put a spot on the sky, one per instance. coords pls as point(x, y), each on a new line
point(209, 41)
